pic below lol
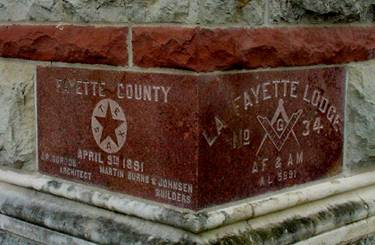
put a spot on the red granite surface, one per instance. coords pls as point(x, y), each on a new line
point(209, 49)
point(162, 136)
point(259, 141)
point(192, 141)
point(65, 43)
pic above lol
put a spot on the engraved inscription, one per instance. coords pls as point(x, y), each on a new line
point(272, 130)
point(165, 136)
point(280, 127)
point(108, 123)
point(105, 128)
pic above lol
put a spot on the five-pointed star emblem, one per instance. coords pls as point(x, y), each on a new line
point(109, 125)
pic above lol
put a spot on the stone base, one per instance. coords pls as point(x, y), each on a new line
point(12, 239)
point(368, 240)
point(16, 231)
point(47, 219)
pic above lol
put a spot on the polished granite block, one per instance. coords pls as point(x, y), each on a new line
point(191, 141)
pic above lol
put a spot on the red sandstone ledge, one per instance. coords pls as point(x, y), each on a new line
point(203, 50)
point(73, 44)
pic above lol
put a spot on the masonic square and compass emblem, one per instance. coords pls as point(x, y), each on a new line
point(280, 127)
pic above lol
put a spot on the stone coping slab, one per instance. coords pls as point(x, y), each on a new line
point(195, 222)
point(195, 48)
point(65, 43)
point(101, 226)
point(203, 49)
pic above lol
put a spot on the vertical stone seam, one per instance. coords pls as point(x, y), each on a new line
point(197, 201)
point(130, 45)
point(36, 117)
point(266, 13)
point(345, 168)
point(193, 12)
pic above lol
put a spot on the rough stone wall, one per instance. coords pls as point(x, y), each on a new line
point(136, 11)
point(185, 36)
point(248, 12)
point(360, 149)
point(322, 11)
point(17, 122)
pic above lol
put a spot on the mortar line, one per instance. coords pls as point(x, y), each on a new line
point(167, 70)
point(186, 25)
point(266, 13)
point(35, 77)
point(130, 45)
point(345, 168)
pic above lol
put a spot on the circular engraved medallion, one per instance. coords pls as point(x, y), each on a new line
point(109, 126)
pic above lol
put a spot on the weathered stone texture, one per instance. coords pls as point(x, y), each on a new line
point(202, 49)
point(7, 238)
point(361, 116)
point(315, 11)
point(43, 10)
point(250, 12)
point(101, 11)
point(369, 240)
point(231, 11)
point(105, 227)
point(360, 125)
point(168, 11)
point(17, 123)
point(66, 43)
point(21, 10)
point(136, 11)
point(83, 221)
